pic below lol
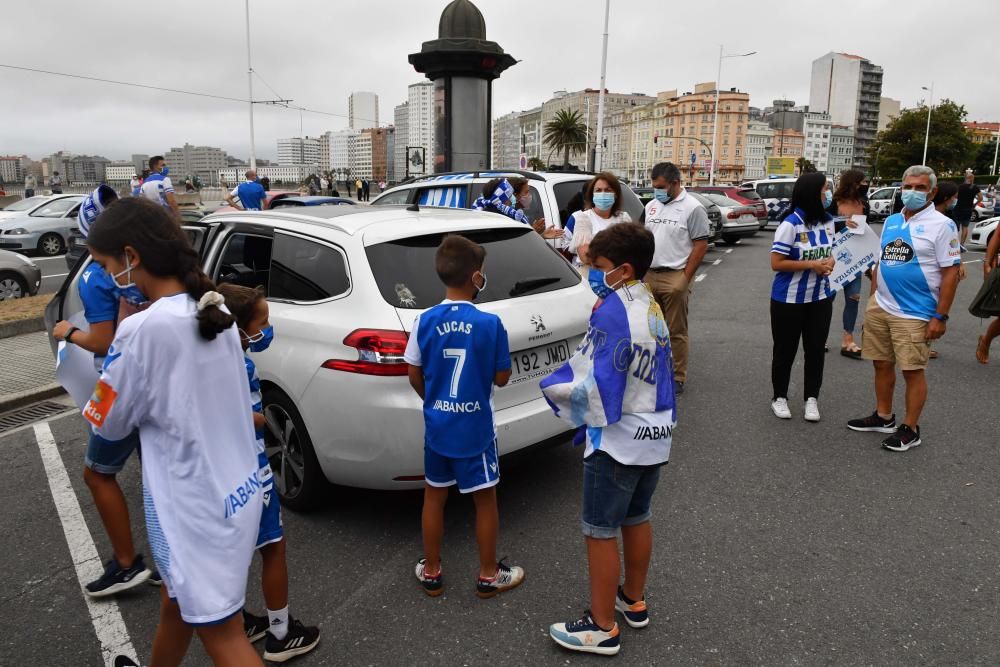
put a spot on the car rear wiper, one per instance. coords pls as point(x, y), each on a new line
point(528, 284)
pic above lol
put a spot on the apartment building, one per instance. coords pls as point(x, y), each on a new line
point(849, 88)
point(362, 110)
point(299, 151)
point(816, 128)
point(758, 147)
point(841, 157)
point(190, 161)
point(401, 118)
point(506, 141)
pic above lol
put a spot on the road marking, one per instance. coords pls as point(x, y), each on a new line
point(105, 616)
point(729, 251)
point(55, 275)
point(972, 261)
point(717, 262)
point(698, 278)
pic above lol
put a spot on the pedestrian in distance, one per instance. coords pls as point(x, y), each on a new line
point(679, 224)
point(104, 459)
point(603, 201)
point(287, 637)
point(134, 186)
point(990, 263)
point(266, 184)
point(969, 197)
point(849, 200)
point(175, 373)
point(157, 187)
point(55, 183)
point(618, 386)
point(358, 189)
point(456, 355)
point(801, 296)
point(250, 192)
point(913, 288)
point(29, 185)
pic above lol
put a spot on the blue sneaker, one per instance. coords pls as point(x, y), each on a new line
point(585, 635)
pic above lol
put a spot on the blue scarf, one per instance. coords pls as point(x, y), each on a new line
point(499, 202)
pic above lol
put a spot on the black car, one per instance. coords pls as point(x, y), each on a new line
point(714, 214)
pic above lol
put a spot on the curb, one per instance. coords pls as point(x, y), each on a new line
point(10, 402)
point(35, 324)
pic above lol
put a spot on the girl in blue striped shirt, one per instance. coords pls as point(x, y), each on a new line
point(801, 296)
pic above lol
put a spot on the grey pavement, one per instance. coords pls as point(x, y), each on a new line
point(27, 363)
point(776, 542)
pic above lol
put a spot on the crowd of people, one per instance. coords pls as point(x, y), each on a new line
point(154, 320)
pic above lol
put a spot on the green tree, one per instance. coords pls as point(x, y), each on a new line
point(536, 164)
point(805, 166)
point(985, 153)
point(567, 133)
point(949, 149)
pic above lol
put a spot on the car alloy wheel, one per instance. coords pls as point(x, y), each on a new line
point(11, 288)
point(284, 451)
point(50, 245)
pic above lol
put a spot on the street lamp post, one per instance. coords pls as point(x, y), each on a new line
point(599, 157)
point(253, 157)
point(715, 116)
point(996, 152)
point(930, 105)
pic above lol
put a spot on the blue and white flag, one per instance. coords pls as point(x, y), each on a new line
point(502, 201)
point(93, 205)
point(619, 383)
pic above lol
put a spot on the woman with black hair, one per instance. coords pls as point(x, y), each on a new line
point(175, 373)
point(849, 200)
point(801, 296)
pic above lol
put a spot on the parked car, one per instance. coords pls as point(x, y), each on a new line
point(19, 276)
point(981, 233)
point(880, 202)
point(43, 227)
point(344, 284)
point(776, 193)
point(714, 214)
point(738, 220)
point(311, 200)
point(551, 192)
point(272, 197)
point(744, 195)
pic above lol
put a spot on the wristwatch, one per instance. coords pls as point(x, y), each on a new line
point(939, 316)
point(69, 334)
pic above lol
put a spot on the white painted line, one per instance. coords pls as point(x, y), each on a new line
point(105, 616)
point(717, 262)
point(698, 278)
point(729, 251)
point(972, 261)
point(55, 275)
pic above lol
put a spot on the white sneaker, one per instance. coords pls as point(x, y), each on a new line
point(780, 408)
point(812, 410)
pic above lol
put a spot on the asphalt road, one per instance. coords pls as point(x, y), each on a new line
point(54, 272)
point(776, 542)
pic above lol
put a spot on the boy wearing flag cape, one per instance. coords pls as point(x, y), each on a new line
point(619, 388)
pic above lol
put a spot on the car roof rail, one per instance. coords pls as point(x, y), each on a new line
point(530, 175)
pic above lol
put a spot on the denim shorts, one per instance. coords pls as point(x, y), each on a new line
point(615, 495)
point(108, 457)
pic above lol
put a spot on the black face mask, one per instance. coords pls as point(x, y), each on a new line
point(863, 191)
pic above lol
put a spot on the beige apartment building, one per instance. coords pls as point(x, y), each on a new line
point(788, 143)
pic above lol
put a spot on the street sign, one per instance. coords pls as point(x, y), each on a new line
point(780, 166)
point(522, 161)
point(694, 158)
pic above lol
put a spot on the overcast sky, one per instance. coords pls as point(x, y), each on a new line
point(318, 51)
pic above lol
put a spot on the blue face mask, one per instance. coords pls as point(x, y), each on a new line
point(914, 200)
point(953, 204)
point(599, 282)
point(661, 195)
point(165, 171)
point(827, 198)
point(604, 200)
point(261, 340)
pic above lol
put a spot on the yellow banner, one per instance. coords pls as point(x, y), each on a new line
point(780, 166)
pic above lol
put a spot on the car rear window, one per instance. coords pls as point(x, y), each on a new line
point(518, 263)
point(721, 199)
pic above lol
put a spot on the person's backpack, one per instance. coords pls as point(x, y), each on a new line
point(987, 301)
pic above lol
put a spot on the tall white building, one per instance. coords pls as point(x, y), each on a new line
point(506, 141)
point(816, 127)
point(122, 172)
point(841, 149)
point(419, 130)
point(299, 151)
point(360, 155)
point(291, 174)
point(362, 109)
point(759, 144)
point(849, 88)
point(401, 118)
point(335, 150)
point(13, 168)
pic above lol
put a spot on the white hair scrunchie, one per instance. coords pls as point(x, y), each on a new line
point(210, 299)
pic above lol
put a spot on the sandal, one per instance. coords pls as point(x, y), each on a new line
point(982, 355)
point(852, 352)
point(933, 354)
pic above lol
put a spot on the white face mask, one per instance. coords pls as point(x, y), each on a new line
point(127, 271)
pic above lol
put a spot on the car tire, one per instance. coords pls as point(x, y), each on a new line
point(729, 239)
point(12, 286)
point(51, 244)
point(298, 478)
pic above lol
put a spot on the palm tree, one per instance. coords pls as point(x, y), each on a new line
point(536, 164)
point(567, 133)
point(805, 166)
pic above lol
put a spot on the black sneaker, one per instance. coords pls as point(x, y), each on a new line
point(433, 586)
point(254, 626)
point(904, 438)
point(299, 641)
point(678, 388)
point(124, 661)
point(117, 579)
point(155, 579)
point(873, 423)
point(506, 578)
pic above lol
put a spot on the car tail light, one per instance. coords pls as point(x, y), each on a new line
point(380, 352)
point(734, 214)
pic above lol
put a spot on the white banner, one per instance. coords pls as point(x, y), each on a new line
point(75, 369)
point(855, 250)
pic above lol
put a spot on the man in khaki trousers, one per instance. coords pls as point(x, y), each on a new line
point(679, 224)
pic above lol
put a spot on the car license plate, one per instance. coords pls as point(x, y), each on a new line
point(537, 362)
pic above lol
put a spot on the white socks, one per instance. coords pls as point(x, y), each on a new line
point(278, 623)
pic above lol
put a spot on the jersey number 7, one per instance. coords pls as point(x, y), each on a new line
point(458, 355)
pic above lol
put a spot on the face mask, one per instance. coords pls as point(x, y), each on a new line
point(479, 289)
point(165, 171)
point(827, 198)
point(604, 200)
point(261, 340)
point(127, 271)
point(661, 195)
point(954, 202)
point(914, 200)
point(525, 200)
point(863, 191)
point(599, 282)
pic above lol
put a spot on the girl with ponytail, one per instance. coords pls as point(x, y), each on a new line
point(175, 372)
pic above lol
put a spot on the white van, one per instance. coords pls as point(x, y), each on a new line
point(776, 193)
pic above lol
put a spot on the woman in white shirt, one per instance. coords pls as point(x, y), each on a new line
point(175, 372)
point(603, 208)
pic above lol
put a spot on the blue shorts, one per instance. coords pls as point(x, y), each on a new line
point(615, 495)
point(473, 473)
point(108, 457)
point(271, 529)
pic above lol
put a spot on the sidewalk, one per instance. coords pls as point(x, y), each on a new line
point(28, 370)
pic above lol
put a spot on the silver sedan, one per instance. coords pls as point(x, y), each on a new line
point(41, 224)
point(19, 276)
